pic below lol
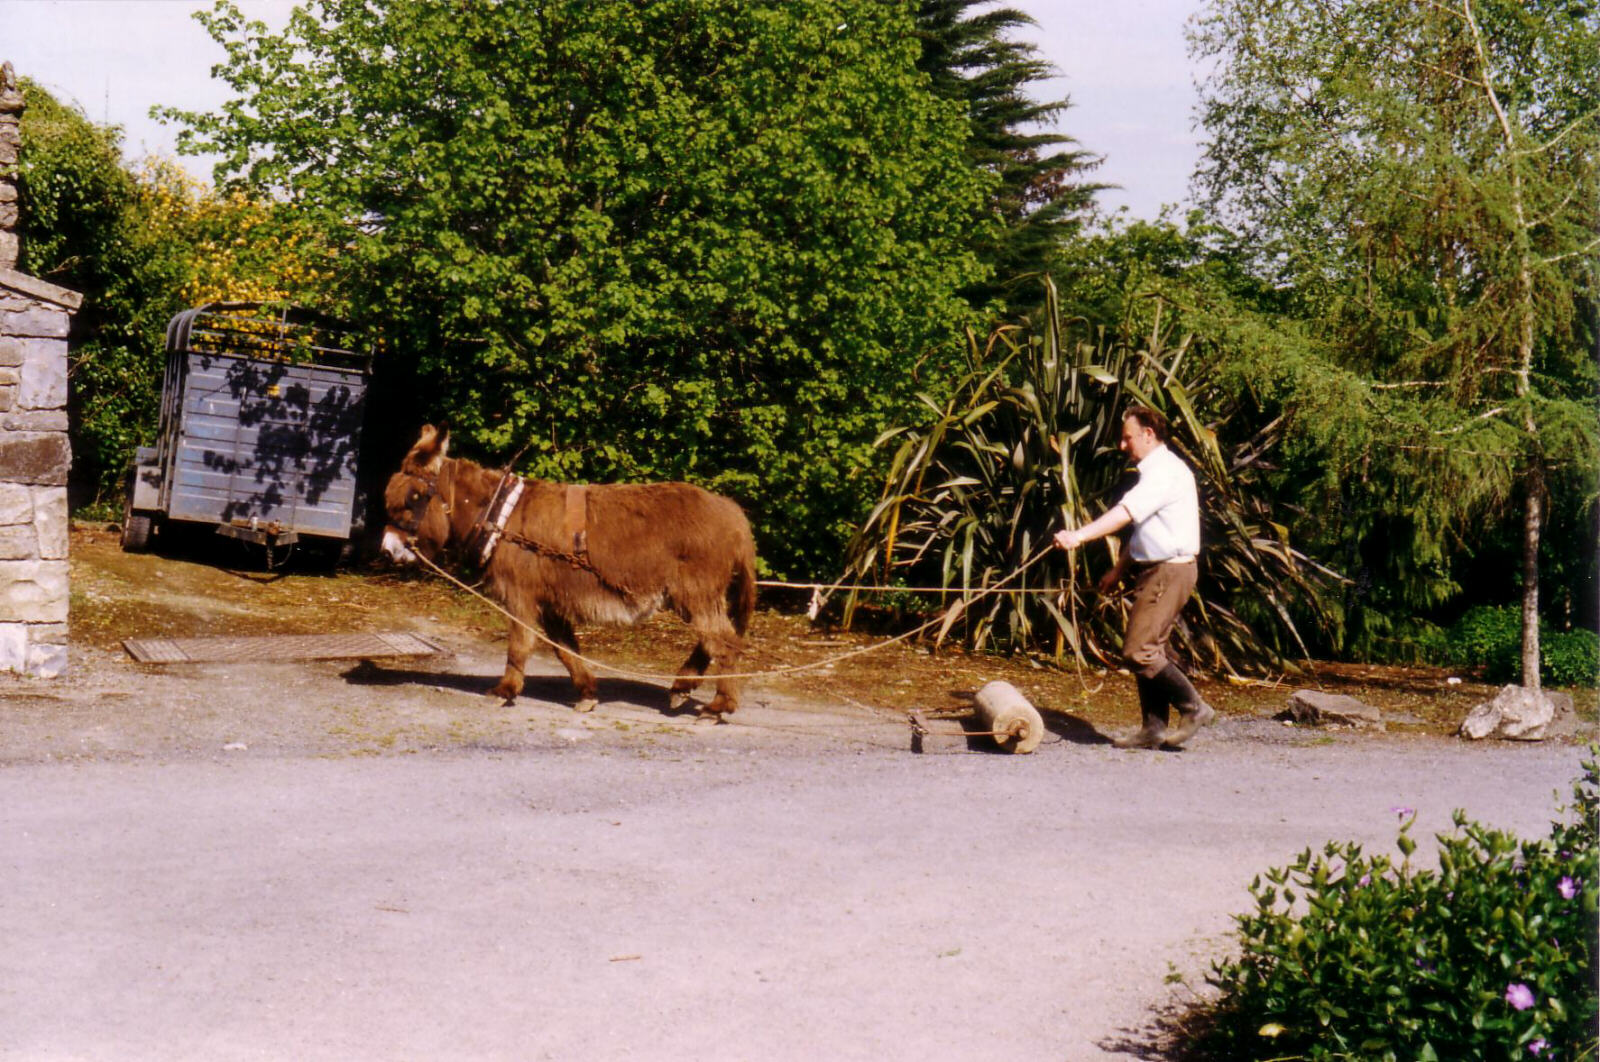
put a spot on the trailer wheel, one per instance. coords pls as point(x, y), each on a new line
point(136, 531)
point(137, 527)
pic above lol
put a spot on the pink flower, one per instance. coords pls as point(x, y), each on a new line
point(1402, 812)
point(1366, 879)
point(1537, 1047)
point(1567, 888)
point(1519, 995)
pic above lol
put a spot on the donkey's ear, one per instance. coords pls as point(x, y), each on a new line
point(429, 450)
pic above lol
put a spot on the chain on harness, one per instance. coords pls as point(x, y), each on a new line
point(489, 530)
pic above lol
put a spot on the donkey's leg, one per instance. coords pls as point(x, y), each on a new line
point(519, 643)
point(724, 645)
point(689, 676)
point(566, 639)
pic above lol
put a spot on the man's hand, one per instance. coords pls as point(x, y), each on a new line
point(1105, 524)
point(1108, 581)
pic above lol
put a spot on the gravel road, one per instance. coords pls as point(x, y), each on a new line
point(313, 861)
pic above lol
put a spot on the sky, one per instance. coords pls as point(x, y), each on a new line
point(1123, 65)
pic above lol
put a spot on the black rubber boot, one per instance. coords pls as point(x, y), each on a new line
point(1153, 711)
point(1193, 711)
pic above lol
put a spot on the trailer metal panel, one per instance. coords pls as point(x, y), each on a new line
point(261, 418)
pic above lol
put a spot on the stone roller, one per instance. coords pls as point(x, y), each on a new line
point(1008, 716)
point(1002, 713)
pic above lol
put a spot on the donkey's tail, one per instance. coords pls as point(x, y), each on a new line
point(742, 590)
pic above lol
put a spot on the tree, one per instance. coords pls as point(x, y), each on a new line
point(234, 248)
point(1420, 178)
point(78, 230)
point(1041, 198)
point(140, 245)
point(660, 239)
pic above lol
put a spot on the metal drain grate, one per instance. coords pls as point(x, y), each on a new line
point(279, 647)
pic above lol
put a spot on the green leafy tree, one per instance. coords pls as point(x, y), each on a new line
point(79, 229)
point(233, 247)
point(974, 55)
point(140, 244)
point(659, 239)
point(1419, 178)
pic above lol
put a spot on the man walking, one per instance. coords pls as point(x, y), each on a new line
point(1164, 509)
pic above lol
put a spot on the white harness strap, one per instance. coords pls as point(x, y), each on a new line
point(495, 520)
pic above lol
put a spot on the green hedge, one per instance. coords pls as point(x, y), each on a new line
point(1570, 658)
point(1491, 637)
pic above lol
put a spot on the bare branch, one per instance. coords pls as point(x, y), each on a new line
point(1483, 64)
point(1487, 415)
point(1447, 9)
point(1556, 211)
point(1585, 249)
point(1553, 141)
point(1453, 451)
point(1441, 70)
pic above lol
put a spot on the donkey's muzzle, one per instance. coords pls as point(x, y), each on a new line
point(396, 548)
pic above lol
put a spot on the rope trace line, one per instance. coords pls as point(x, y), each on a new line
point(948, 618)
point(822, 592)
point(830, 587)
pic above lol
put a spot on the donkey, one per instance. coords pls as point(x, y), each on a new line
point(559, 555)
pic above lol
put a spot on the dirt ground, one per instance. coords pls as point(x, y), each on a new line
point(347, 860)
point(220, 589)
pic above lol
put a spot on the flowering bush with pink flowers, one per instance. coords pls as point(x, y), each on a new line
point(1490, 956)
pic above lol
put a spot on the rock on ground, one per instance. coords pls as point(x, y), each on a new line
point(1521, 714)
point(1315, 708)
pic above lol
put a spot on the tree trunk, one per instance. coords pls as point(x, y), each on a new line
point(1532, 520)
point(1524, 309)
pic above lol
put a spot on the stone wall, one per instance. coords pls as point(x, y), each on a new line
point(11, 107)
point(35, 455)
point(34, 459)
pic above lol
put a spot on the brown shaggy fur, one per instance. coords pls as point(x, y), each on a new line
point(654, 545)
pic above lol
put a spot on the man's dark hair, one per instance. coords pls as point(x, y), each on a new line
point(1149, 418)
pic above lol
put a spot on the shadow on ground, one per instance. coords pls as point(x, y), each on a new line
point(1073, 728)
point(549, 689)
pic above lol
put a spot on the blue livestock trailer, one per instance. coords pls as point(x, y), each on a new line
point(260, 430)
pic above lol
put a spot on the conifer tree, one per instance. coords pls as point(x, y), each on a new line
point(1419, 178)
point(977, 59)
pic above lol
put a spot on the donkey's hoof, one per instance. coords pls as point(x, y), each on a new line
point(677, 700)
point(587, 704)
point(500, 697)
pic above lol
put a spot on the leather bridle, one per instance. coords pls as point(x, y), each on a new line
point(410, 521)
point(489, 529)
point(486, 530)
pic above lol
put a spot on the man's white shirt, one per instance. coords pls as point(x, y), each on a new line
point(1165, 508)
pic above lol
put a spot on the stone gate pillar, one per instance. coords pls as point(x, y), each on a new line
point(35, 455)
